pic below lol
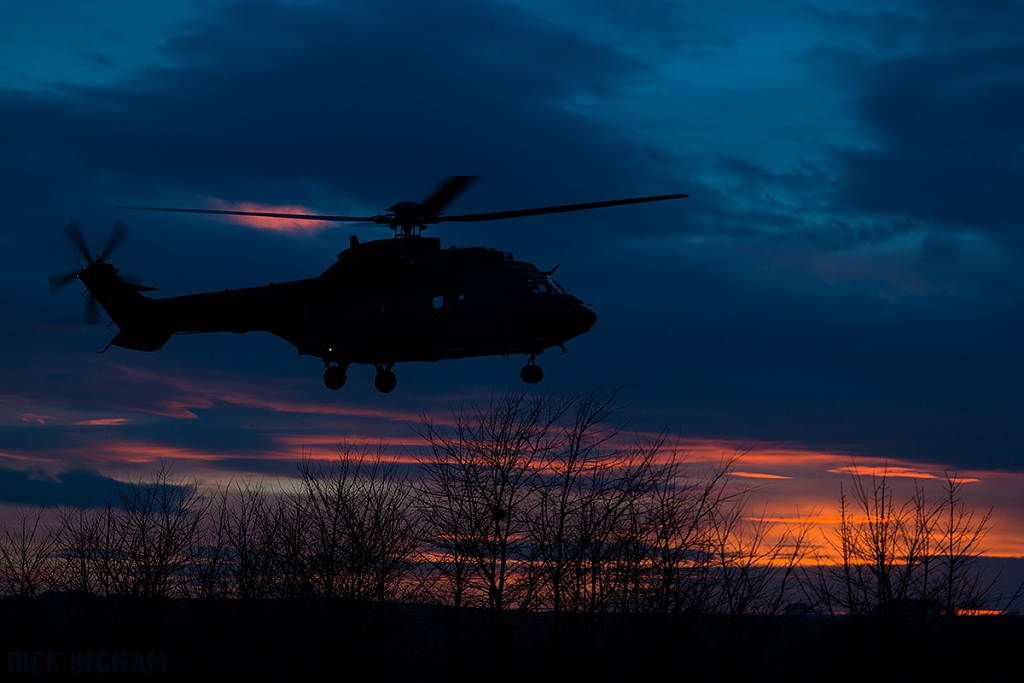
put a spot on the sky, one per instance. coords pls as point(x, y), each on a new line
point(844, 283)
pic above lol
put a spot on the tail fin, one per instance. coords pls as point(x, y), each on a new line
point(136, 317)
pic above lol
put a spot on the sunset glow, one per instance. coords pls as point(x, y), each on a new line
point(788, 488)
point(266, 222)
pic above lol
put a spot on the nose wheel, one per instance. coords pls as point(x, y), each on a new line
point(531, 374)
point(385, 381)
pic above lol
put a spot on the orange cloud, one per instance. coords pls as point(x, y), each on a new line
point(34, 418)
point(334, 440)
point(104, 422)
point(267, 223)
point(895, 471)
point(759, 475)
point(249, 401)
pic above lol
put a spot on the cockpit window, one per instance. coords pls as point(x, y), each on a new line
point(555, 287)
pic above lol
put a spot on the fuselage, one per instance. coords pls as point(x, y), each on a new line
point(385, 301)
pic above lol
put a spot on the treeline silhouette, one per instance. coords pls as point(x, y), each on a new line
point(525, 540)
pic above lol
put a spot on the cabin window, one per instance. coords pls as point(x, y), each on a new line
point(538, 287)
point(438, 302)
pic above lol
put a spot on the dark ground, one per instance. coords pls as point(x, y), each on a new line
point(323, 640)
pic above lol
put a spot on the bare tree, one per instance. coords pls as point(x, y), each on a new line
point(448, 527)
point(363, 529)
point(207, 564)
point(588, 498)
point(577, 478)
point(27, 550)
point(481, 479)
point(678, 523)
point(153, 528)
point(963, 586)
point(756, 570)
point(327, 495)
point(287, 531)
point(79, 549)
point(892, 546)
point(902, 563)
point(251, 530)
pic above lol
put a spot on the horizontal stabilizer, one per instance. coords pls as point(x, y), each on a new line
point(141, 340)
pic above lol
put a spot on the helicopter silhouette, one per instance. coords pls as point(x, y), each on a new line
point(382, 302)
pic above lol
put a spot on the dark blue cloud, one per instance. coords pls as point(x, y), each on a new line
point(948, 143)
point(284, 103)
point(78, 488)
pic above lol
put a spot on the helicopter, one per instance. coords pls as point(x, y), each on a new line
point(381, 302)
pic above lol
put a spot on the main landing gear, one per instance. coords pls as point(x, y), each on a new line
point(334, 376)
point(385, 381)
point(531, 374)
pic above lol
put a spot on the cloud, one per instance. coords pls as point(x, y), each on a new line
point(945, 125)
point(329, 107)
point(104, 422)
point(266, 223)
point(885, 471)
point(85, 488)
point(758, 475)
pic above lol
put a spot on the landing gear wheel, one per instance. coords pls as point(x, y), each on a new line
point(334, 377)
point(385, 381)
point(531, 374)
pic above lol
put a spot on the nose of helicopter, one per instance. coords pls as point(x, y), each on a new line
point(583, 318)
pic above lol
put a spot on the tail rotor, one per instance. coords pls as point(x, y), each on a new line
point(61, 280)
point(117, 236)
point(74, 234)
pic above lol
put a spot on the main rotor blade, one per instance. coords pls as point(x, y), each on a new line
point(62, 280)
point(520, 213)
point(443, 196)
point(74, 234)
point(266, 214)
point(116, 237)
